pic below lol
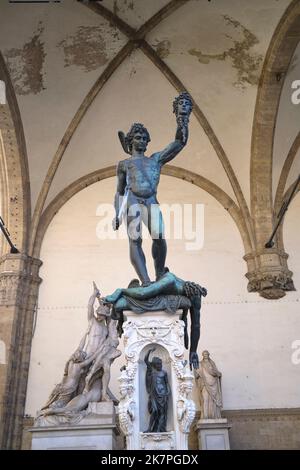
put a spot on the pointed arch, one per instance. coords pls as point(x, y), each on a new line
point(276, 64)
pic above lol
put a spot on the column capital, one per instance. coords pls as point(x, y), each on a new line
point(17, 272)
point(268, 273)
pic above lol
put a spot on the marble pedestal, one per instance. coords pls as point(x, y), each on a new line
point(165, 332)
point(96, 430)
point(213, 434)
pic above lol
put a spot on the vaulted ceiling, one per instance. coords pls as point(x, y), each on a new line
point(84, 70)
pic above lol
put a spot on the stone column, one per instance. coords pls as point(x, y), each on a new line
point(19, 283)
point(141, 333)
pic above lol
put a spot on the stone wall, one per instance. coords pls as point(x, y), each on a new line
point(269, 429)
point(264, 429)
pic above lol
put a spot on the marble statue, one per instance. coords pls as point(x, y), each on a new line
point(127, 404)
point(102, 336)
point(208, 379)
point(157, 386)
point(67, 388)
point(138, 177)
point(87, 373)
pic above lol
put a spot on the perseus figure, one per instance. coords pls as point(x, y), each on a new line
point(138, 177)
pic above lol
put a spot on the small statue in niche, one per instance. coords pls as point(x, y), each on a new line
point(157, 386)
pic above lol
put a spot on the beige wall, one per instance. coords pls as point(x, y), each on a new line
point(250, 338)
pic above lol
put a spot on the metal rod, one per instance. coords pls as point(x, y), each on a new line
point(283, 209)
point(6, 233)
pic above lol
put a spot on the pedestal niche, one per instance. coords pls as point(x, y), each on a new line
point(93, 429)
point(165, 332)
point(212, 428)
point(213, 434)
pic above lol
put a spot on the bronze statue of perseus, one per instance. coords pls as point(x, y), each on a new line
point(138, 177)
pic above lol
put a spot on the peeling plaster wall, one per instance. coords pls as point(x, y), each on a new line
point(249, 338)
point(86, 49)
point(26, 64)
point(70, 46)
point(230, 37)
point(60, 27)
point(134, 12)
point(247, 64)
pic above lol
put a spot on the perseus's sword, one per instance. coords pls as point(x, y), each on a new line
point(123, 206)
point(122, 209)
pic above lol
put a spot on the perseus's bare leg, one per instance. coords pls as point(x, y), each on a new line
point(159, 246)
point(137, 256)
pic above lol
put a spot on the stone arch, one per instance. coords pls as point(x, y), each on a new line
point(276, 64)
point(15, 269)
point(14, 174)
point(268, 270)
point(168, 170)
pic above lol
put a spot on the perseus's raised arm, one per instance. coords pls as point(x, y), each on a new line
point(182, 107)
point(174, 147)
point(169, 152)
